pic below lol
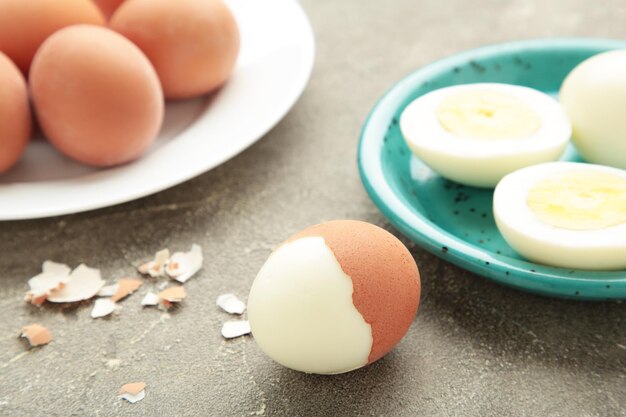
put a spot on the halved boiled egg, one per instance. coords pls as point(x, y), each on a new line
point(475, 134)
point(565, 214)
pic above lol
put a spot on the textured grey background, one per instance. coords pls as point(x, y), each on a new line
point(475, 349)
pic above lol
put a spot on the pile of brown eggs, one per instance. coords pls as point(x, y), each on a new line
point(97, 72)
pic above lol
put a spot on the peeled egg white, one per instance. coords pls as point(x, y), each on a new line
point(594, 97)
point(483, 161)
point(601, 248)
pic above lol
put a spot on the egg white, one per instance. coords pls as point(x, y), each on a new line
point(483, 162)
point(599, 249)
point(301, 310)
point(594, 96)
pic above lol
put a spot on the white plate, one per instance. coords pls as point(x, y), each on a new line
point(275, 62)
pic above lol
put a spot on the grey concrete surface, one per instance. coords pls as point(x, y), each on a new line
point(475, 349)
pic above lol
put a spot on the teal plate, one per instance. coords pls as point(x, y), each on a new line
point(453, 221)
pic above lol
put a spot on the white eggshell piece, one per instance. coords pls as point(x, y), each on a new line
point(133, 398)
point(231, 304)
point(301, 311)
point(43, 284)
point(156, 267)
point(108, 290)
point(55, 268)
point(102, 307)
point(235, 328)
point(184, 265)
point(150, 299)
point(83, 283)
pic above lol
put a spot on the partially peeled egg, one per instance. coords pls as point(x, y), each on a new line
point(334, 297)
point(475, 134)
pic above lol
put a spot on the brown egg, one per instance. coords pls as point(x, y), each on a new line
point(193, 44)
point(25, 24)
point(108, 7)
point(97, 98)
point(15, 119)
point(334, 297)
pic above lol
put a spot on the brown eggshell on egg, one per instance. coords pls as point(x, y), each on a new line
point(384, 276)
point(25, 24)
point(15, 117)
point(97, 98)
point(193, 44)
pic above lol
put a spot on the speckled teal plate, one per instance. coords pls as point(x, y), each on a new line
point(456, 222)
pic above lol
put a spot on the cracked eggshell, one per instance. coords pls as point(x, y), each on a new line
point(156, 267)
point(42, 285)
point(150, 299)
point(55, 268)
point(83, 283)
point(125, 287)
point(184, 265)
point(133, 392)
point(334, 297)
point(173, 294)
point(102, 307)
point(231, 304)
point(108, 290)
point(36, 334)
point(52, 278)
point(235, 328)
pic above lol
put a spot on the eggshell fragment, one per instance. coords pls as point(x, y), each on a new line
point(55, 268)
point(108, 290)
point(83, 283)
point(150, 299)
point(235, 328)
point(172, 295)
point(36, 335)
point(133, 392)
point(15, 117)
point(25, 24)
point(125, 287)
point(97, 98)
point(102, 307)
point(156, 267)
point(192, 44)
point(231, 304)
point(43, 285)
point(53, 277)
point(184, 265)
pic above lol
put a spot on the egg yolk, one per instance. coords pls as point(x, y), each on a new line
point(487, 115)
point(580, 200)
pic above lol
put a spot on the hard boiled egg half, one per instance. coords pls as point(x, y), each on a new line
point(565, 214)
point(475, 134)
